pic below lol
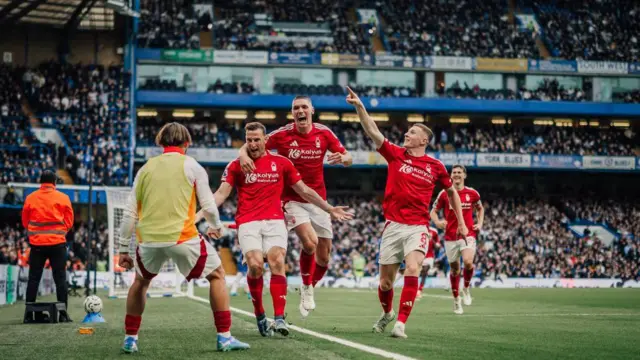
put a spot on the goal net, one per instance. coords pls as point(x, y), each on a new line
point(168, 282)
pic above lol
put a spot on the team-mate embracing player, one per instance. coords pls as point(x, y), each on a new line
point(305, 143)
point(412, 176)
point(456, 245)
point(262, 232)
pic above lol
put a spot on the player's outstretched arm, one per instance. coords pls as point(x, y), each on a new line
point(246, 163)
point(369, 126)
point(222, 193)
point(456, 204)
point(337, 212)
point(129, 216)
point(205, 196)
point(479, 215)
point(337, 158)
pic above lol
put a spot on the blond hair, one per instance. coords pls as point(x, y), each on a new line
point(173, 134)
point(426, 130)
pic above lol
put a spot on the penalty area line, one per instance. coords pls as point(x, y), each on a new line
point(351, 344)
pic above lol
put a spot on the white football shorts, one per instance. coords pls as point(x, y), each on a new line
point(262, 235)
point(398, 240)
point(195, 258)
point(454, 248)
point(297, 213)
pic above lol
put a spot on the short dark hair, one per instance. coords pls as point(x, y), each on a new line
point(255, 125)
point(173, 134)
point(301, 97)
point(426, 130)
point(48, 177)
point(460, 166)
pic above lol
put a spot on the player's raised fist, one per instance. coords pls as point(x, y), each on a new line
point(125, 261)
point(340, 213)
point(352, 97)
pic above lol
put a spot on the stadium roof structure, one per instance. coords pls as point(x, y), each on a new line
point(67, 14)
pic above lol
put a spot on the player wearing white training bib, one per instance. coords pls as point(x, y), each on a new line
point(163, 202)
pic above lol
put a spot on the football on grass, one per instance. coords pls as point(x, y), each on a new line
point(92, 304)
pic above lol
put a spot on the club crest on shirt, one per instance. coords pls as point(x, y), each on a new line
point(468, 198)
point(318, 142)
point(273, 166)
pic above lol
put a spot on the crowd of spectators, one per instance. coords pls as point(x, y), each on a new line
point(538, 140)
point(629, 97)
point(547, 90)
point(90, 106)
point(203, 135)
point(524, 139)
point(238, 29)
point(593, 30)
point(451, 28)
point(170, 24)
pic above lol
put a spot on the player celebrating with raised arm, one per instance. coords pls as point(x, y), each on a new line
point(412, 176)
point(456, 245)
point(163, 201)
point(260, 219)
point(305, 143)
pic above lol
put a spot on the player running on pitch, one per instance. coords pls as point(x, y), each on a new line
point(305, 143)
point(163, 202)
point(428, 261)
point(261, 227)
point(456, 245)
point(412, 176)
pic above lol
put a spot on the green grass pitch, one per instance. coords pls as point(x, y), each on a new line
point(501, 324)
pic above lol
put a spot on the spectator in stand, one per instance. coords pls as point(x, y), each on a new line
point(606, 30)
point(168, 25)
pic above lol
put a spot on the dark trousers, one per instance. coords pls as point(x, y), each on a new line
point(57, 255)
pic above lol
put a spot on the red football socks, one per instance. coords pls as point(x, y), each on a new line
point(467, 274)
point(455, 284)
point(278, 288)
point(386, 299)
point(222, 320)
point(132, 324)
point(307, 267)
point(255, 288)
point(407, 298)
point(318, 274)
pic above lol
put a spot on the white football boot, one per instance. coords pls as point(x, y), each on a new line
point(307, 303)
point(466, 296)
point(398, 330)
point(457, 306)
point(384, 320)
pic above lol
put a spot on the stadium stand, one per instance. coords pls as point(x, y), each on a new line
point(168, 24)
point(598, 30)
point(535, 139)
point(548, 90)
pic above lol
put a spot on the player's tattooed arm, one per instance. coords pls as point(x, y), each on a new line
point(479, 215)
point(369, 126)
point(337, 212)
point(456, 204)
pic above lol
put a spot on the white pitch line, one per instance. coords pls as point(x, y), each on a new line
point(365, 348)
point(497, 315)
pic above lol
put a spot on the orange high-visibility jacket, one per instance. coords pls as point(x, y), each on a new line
point(47, 215)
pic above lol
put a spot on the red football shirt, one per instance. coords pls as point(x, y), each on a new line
point(434, 240)
point(469, 197)
point(259, 193)
point(410, 184)
point(307, 152)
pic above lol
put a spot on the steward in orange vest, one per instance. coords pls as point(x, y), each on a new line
point(48, 216)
